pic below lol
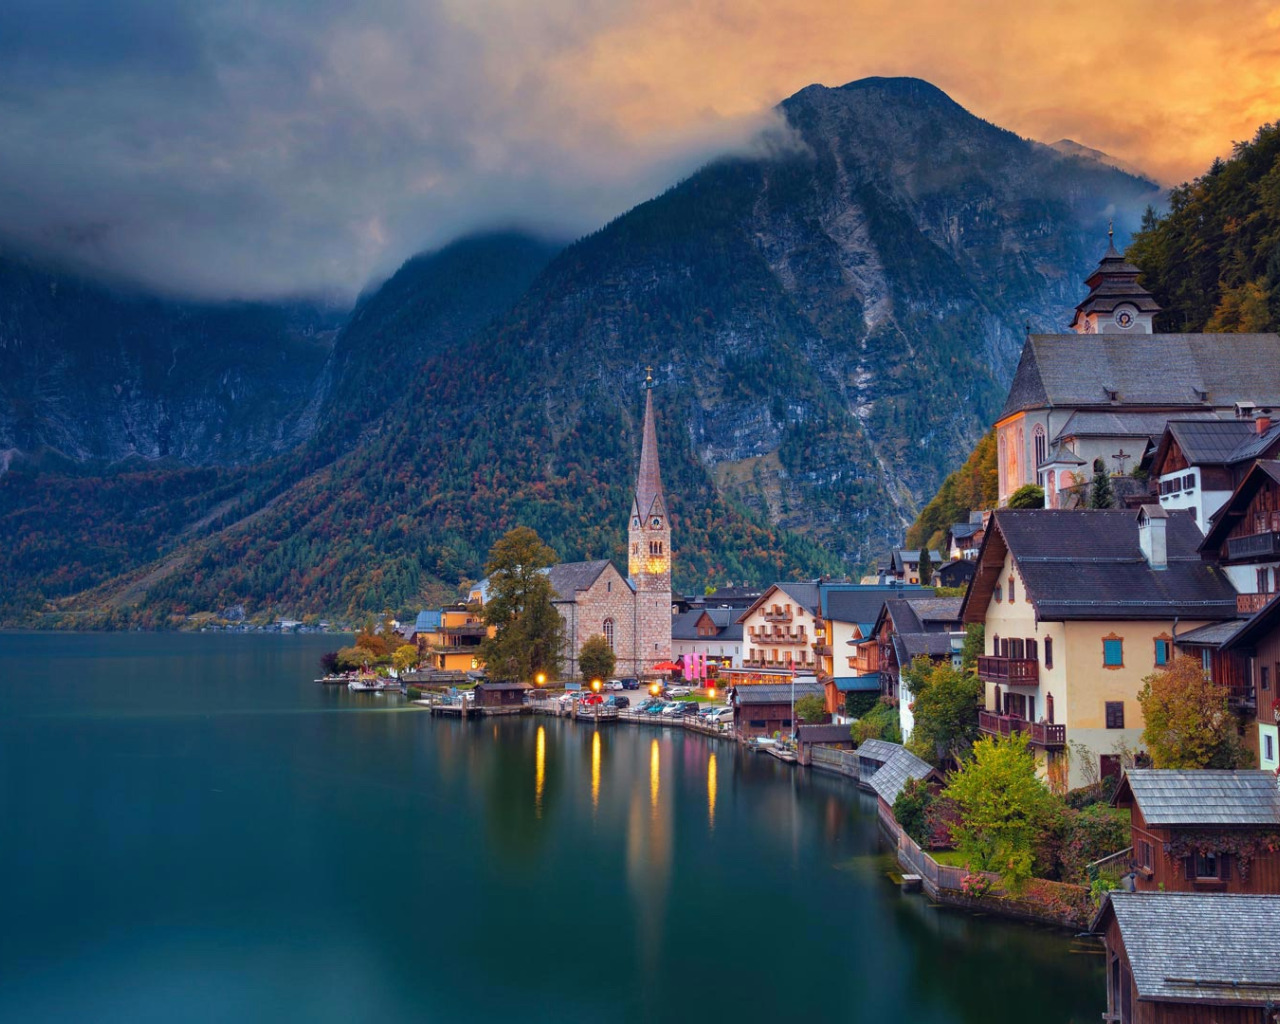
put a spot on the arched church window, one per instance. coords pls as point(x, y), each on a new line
point(1041, 444)
point(608, 632)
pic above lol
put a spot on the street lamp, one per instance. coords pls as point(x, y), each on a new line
point(541, 679)
point(595, 685)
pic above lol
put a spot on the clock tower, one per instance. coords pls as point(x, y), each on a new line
point(649, 549)
point(1116, 303)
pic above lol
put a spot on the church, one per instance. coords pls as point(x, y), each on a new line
point(1107, 390)
point(632, 612)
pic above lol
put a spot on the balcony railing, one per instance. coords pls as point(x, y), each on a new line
point(822, 650)
point(777, 616)
point(1254, 545)
point(780, 638)
point(1243, 699)
point(1011, 671)
point(1247, 604)
point(1039, 734)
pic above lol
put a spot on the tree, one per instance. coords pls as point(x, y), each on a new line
point(945, 708)
point(349, 659)
point(1188, 722)
point(404, 657)
point(596, 658)
point(910, 810)
point(1101, 494)
point(880, 723)
point(1027, 496)
point(1003, 808)
point(975, 644)
point(926, 566)
point(528, 629)
point(811, 709)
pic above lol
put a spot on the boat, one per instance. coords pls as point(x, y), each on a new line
point(373, 684)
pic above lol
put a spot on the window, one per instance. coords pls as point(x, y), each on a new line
point(1115, 714)
point(1032, 653)
point(1164, 650)
point(609, 587)
point(1041, 445)
point(1146, 856)
point(1263, 577)
point(1268, 747)
point(1264, 678)
point(1206, 865)
point(1048, 708)
point(1112, 651)
point(1011, 594)
point(995, 644)
point(1048, 652)
point(999, 595)
point(608, 632)
point(1189, 481)
point(1206, 661)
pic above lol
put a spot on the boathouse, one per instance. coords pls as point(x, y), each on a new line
point(1189, 958)
point(500, 695)
point(1203, 831)
point(765, 709)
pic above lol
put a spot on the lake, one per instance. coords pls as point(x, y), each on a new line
point(192, 830)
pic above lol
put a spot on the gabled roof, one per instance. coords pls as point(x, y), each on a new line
point(1204, 442)
point(777, 693)
point(862, 603)
point(1189, 947)
point(1203, 797)
point(955, 573)
point(1164, 370)
point(685, 625)
point(503, 686)
point(1253, 630)
point(1087, 564)
point(887, 783)
point(1136, 423)
point(806, 595)
point(962, 530)
point(1215, 634)
point(1261, 474)
point(915, 645)
point(878, 750)
point(567, 578)
point(824, 734)
point(914, 614)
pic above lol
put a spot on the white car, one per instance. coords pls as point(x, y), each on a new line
point(679, 691)
point(613, 684)
point(719, 716)
point(671, 710)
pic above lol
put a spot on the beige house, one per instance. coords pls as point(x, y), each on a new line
point(778, 630)
point(1078, 608)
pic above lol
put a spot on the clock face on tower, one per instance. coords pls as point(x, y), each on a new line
point(1124, 317)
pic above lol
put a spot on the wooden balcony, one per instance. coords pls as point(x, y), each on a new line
point(1248, 604)
point(1254, 545)
point(1039, 734)
point(777, 616)
point(1010, 671)
point(822, 650)
point(779, 638)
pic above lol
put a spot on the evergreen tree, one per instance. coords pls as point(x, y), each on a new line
point(528, 627)
point(1027, 496)
point(926, 566)
point(1101, 493)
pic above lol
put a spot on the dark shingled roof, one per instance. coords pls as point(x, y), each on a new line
point(1145, 369)
point(962, 530)
point(887, 783)
point(860, 605)
point(931, 645)
point(777, 693)
point(1215, 634)
point(685, 625)
point(1190, 947)
point(955, 573)
point(878, 750)
point(824, 734)
point(1204, 797)
point(1087, 564)
point(1120, 423)
point(1210, 442)
point(1261, 474)
point(568, 578)
point(503, 686)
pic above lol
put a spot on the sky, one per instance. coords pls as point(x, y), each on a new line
point(255, 149)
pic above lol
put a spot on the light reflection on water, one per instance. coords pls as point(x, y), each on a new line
point(595, 771)
point(539, 769)
point(711, 791)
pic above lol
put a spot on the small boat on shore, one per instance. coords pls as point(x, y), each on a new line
point(335, 680)
point(373, 684)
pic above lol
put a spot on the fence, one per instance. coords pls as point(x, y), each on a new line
point(1114, 867)
point(845, 762)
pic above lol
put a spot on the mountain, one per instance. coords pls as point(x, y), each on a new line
point(93, 373)
point(832, 326)
point(1071, 148)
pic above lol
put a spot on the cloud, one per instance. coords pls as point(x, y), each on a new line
point(277, 147)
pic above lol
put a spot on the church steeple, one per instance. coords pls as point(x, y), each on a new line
point(649, 559)
point(1116, 303)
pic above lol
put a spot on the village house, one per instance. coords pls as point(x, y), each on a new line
point(1197, 464)
point(1108, 390)
point(778, 628)
point(507, 695)
point(1203, 831)
point(765, 709)
point(1189, 957)
point(1245, 537)
point(964, 539)
point(1078, 607)
point(956, 573)
point(904, 564)
point(454, 644)
point(844, 646)
point(713, 634)
point(914, 625)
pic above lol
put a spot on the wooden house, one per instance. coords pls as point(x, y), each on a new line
point(894, 774)
point(1245, 536)
point(837, 735)
point(500, 695)
point(1252, 652)
point(765, 708)
point(1189, 958)
point(1203, 831)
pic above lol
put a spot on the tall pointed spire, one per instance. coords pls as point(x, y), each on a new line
point(649, 481)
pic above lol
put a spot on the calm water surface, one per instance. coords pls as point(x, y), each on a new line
point(192, 830)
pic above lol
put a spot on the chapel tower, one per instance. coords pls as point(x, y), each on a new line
point(1116, 303)
point(649, 550)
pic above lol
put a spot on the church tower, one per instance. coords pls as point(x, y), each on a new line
point(1116, 303)
point(649, 550)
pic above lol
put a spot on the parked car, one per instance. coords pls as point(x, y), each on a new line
point(672, 709)
point(720, 716)
point(567, 697)
point(591, 698)
point(678, 691)
point(689, 708)
point(660, 708)
point(617, 701)
point(630, 683)
point(647, 703)
point(613, 684)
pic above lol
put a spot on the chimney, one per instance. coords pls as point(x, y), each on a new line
point(1263, 421)
point(1152, 520)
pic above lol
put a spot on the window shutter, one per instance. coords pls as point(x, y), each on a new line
point(1189, 864)
point(1224, 867)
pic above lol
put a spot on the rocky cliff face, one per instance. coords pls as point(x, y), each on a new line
point(96, 374)
point(832, 326)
